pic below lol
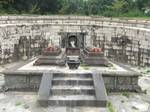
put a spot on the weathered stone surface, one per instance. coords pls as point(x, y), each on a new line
point(100, 90)
point(76, 94)
point(45, 88)
point(35, 32)
point(31, 76)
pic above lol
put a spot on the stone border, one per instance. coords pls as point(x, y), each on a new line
point(69, 17)
point(45, 88)
point(14, 71)
point(100, 91)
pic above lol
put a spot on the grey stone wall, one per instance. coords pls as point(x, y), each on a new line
point(23, 37)
point(121, 83)
point(22, 81)
point(32, 82)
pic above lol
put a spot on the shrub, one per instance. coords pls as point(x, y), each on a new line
point(134, 13)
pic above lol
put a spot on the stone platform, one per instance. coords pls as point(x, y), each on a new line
point(26, 76)
point(61, 86)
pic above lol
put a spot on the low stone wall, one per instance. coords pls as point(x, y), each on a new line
point(23, 37)
point(22, 82)
point(121, 83)
point(113, 83)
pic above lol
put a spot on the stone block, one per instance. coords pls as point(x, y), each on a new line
point(35, 79)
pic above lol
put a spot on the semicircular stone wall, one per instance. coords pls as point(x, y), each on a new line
point(24, 37)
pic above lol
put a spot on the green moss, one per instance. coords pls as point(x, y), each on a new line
point(110, 107)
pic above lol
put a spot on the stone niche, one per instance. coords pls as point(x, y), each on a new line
point(72, 40)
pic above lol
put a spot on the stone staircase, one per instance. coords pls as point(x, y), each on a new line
point(71, 90)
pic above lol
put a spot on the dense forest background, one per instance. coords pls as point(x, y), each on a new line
point(109, 8)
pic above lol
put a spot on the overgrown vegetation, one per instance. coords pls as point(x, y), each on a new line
point(109, 8)
point(110, 107)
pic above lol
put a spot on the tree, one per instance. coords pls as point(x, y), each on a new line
point(119, 6)
point(82, 7)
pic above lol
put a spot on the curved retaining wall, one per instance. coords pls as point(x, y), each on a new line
point(23, 37)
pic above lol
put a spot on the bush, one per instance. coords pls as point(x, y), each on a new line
point(110, 14)
point(134, 13)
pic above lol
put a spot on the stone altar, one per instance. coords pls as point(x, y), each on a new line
point(52, 55)
point(94, 56)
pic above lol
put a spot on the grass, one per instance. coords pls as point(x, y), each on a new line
point(125, 93)
point(25, 106)
point(85, 67)
point(18, 104)
point(110, 107)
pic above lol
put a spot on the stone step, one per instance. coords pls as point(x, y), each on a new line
point(75, 100)
point(72, 82)
point(76, 90)
point(72, 79)
point(72, 87)
point(73, 75)
point(72, 90)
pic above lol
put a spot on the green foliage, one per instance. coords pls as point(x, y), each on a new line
point(119, 6)
point(34, 9)
point(109, 8)
point(110, 107)
point(134, 13)
point(85, 67)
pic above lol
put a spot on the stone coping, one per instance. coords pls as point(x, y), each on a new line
point(19, 21)
point(23, 69)
point(63, 24)
point(70, 17)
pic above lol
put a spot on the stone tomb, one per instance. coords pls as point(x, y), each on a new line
point(116, 77)
point(60, 86)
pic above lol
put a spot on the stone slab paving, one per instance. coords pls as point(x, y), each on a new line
point(132, 104)
point(136, 102)
point(26, 102)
